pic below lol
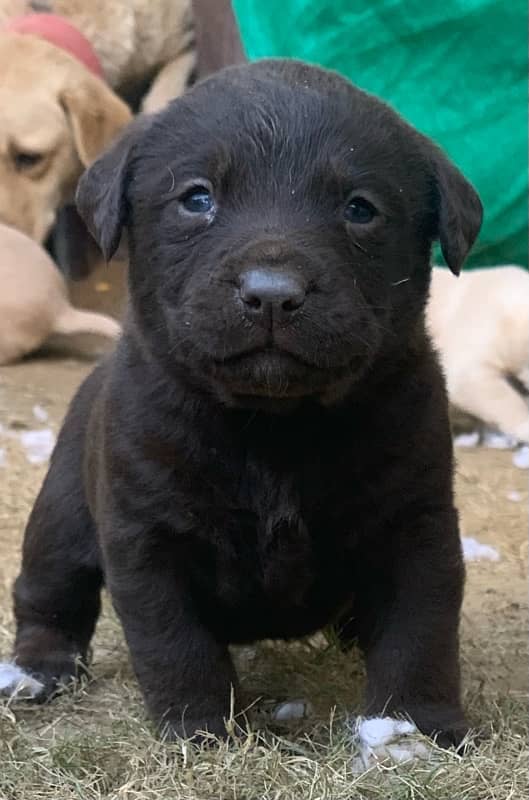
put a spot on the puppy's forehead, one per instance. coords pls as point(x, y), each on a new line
point(258, 114)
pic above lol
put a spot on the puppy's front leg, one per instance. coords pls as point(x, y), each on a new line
point(410, 632)
point(185, 674)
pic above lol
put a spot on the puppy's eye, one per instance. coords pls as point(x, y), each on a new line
point(24, 161)
point(198, 200)
point(359, 211)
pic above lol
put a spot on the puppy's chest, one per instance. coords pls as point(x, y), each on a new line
point(272, 551)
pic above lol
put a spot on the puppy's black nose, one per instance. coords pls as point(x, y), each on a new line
point(271, 295)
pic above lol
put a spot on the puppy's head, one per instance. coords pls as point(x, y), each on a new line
point(55, 118)
point(280, 223)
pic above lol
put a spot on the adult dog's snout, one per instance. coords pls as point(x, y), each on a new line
point(270, 295)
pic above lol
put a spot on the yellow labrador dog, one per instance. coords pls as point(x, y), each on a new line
point(480, 324)
point(137, 42)
point(61, 74)
point(34, 302)
point(55, 118)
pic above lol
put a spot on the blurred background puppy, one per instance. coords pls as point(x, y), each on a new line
point(34, 301)
point(480, 325)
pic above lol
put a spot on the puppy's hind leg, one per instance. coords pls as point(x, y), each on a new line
point(56, 595)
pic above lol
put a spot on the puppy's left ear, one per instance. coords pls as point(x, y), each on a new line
point(460, 212)
point(101, 193)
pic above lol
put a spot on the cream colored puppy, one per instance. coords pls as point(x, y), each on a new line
point(480, 325)
point(34, 302)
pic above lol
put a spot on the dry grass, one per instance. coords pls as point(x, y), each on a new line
point(96, 743)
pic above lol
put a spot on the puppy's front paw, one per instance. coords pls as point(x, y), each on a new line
point(381, 739)
point(39, 677)
point(446, 724)
point(200, 731)
point(49, 658)
point(16, 683)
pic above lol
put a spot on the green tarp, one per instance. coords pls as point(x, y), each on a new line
point(456, 69)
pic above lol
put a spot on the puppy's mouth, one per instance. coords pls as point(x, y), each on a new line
point(274, 374)
point(265, 373)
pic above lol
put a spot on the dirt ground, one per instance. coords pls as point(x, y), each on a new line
point(493, 499)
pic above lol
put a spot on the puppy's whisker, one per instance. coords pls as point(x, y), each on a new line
point(403, 280)
point(329, 338)
point(173, 180)
point(359, 246)
point(385, 330)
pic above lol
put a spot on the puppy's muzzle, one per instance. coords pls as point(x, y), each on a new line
point(271, 296)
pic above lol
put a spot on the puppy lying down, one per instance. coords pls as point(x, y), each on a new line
point(34, 300)
point(480, 324)
point(268, 449)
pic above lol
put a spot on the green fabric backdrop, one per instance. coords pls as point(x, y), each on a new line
point(456, 69)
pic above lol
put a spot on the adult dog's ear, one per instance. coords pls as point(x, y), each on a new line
point(101, 193)
point(460, 212)
point(96, 115)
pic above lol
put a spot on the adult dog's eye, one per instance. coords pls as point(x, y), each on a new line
point(197, 200)
point(359, 211)
point(25, 161)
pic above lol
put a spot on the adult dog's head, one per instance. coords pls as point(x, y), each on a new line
point(280, 223)
point(55, 118)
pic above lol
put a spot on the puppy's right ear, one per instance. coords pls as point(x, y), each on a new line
point(101, 194)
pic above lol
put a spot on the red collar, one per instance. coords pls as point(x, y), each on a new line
point(61, 33)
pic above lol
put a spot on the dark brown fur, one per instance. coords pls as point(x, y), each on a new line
point(230, 480)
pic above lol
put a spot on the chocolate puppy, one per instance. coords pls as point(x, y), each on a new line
point(268, 449)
